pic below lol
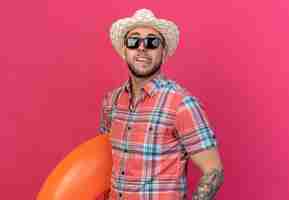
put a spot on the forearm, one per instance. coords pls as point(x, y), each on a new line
point(209, 185)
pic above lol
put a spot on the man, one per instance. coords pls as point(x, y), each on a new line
point(156, 126)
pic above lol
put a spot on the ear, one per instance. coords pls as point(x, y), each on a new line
point(164, 56)
point(123, 53)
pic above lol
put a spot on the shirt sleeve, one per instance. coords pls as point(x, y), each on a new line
point(104, 118)
point(193, 127)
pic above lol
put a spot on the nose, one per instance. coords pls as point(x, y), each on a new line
point(141, 46)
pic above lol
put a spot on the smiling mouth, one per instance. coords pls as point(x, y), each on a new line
point(143, 59)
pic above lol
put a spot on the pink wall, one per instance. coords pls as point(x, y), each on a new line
point(56, 62)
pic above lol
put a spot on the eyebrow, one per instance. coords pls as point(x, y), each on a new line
point(135, 33)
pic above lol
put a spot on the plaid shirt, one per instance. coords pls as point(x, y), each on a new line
point(152, 139)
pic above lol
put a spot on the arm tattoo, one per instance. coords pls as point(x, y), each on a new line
point(208, 185)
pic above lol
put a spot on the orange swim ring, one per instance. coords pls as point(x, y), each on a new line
point(83, 174)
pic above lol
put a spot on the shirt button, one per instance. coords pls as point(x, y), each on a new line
point(125, 150)
point(122, 172)
point(120, 194)
point(128, 128)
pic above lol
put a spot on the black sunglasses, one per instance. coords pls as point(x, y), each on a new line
point(150, 42)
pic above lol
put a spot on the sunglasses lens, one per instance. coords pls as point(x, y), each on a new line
point(132, 43)
point(152, 42)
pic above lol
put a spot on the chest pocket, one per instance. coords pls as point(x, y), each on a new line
point(153, 127)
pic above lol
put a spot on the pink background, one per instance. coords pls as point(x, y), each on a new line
point(56, 63)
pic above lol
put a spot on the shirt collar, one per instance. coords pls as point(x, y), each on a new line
point(150, 88)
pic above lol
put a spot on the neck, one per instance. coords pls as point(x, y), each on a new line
point(138, 83)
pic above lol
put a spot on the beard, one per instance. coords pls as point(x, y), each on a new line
point(148, 74)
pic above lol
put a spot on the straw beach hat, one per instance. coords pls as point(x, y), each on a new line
point(144, 17)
